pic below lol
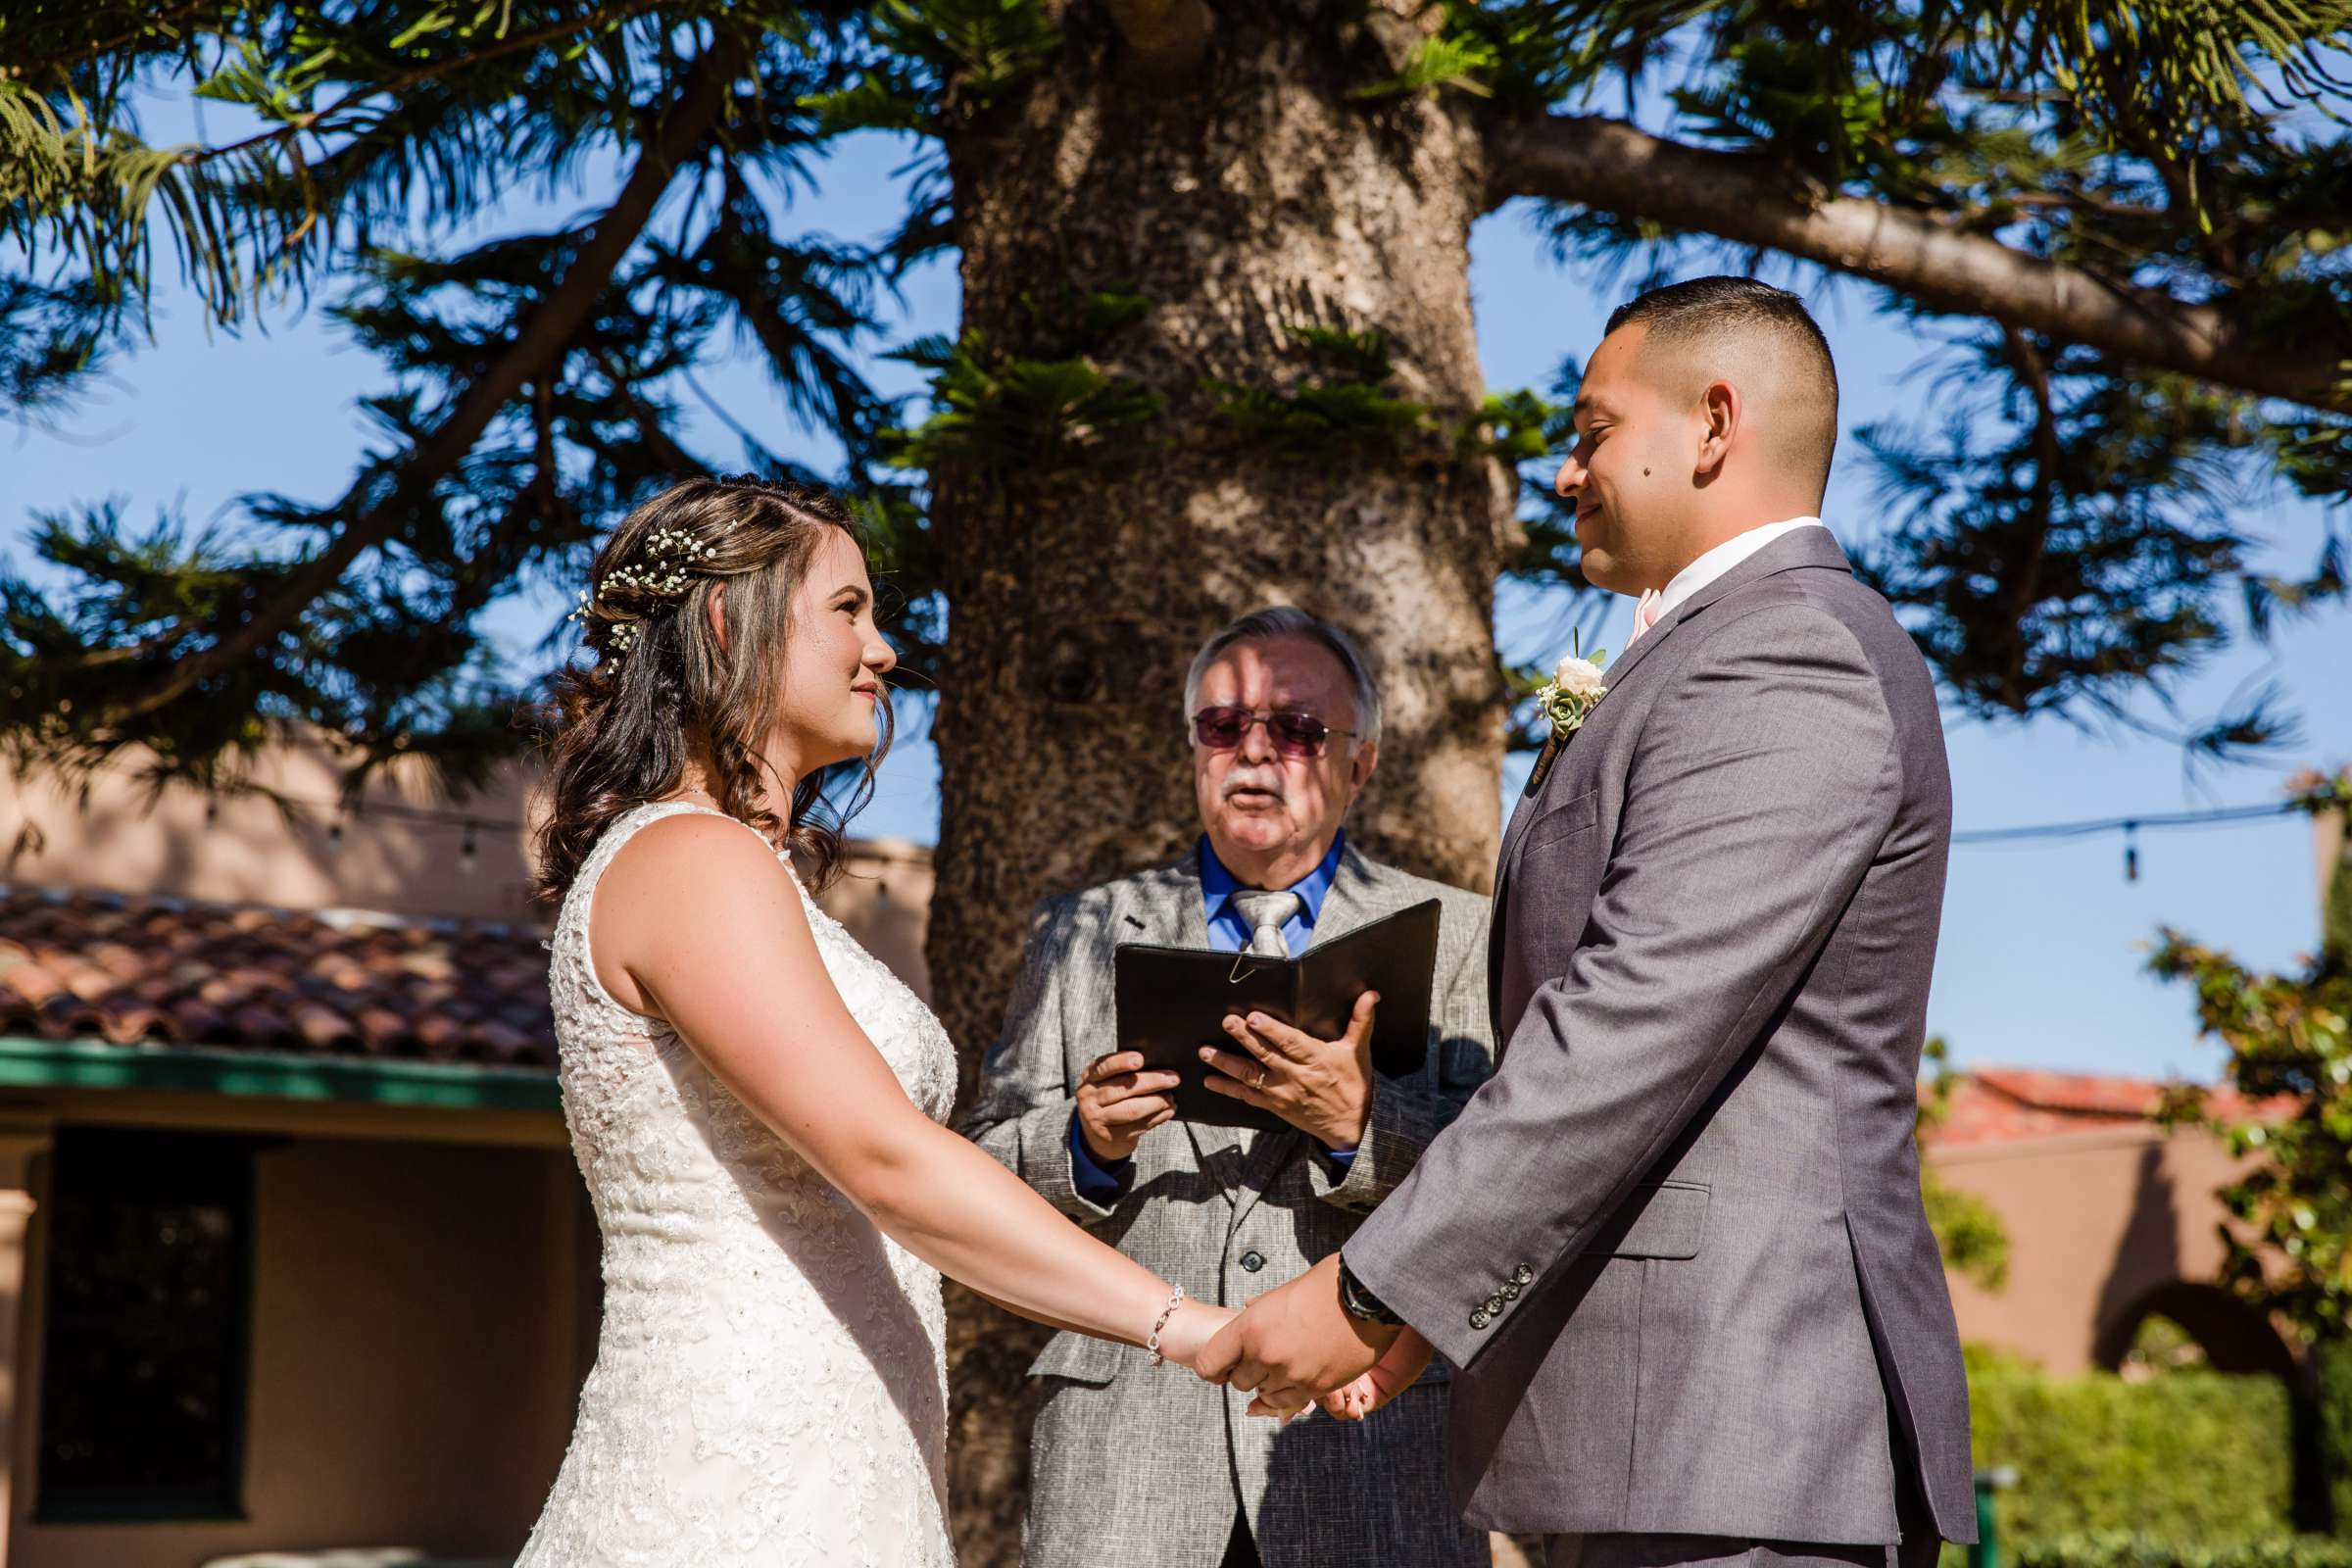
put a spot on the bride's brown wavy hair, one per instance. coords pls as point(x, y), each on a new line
point(661, 690)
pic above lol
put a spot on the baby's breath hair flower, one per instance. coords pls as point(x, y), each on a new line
point(670, 560)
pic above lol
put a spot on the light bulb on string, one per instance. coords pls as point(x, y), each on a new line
point(2130, 851)
point(467, 857)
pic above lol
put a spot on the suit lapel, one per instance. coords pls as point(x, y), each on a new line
point(1805, 547)
point(1802, 548)
point(1527, 809)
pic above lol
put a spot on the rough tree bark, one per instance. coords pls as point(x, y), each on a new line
point(1244, 197)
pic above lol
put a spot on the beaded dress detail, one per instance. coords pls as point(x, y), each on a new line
point(770, 1378)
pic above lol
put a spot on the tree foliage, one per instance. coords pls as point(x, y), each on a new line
point(2290, 1042)
point(1968, 1232)
point(2158, 189)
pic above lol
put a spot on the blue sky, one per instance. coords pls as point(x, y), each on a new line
point(2041, 958)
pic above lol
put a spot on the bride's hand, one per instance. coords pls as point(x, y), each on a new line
point(1395, 1372)
point(1189, 1328)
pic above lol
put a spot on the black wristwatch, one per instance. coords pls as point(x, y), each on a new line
point(1360, 1303)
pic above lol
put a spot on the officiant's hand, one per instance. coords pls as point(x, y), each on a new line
point(1118, 1101)
point(1321, 1087)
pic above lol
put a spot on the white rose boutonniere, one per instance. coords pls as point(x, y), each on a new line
point(1575, 685)
point(1567, 700)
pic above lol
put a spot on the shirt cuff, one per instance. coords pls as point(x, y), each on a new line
point(1099, 1182)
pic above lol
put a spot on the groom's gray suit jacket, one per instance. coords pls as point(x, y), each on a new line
point(1676, 1246)
point(1144, 1466)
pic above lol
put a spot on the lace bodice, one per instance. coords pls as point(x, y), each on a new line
point(770, 1384)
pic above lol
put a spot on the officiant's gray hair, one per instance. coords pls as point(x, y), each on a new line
point(1277, 621)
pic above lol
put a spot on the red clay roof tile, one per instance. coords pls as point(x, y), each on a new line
point(97, 965)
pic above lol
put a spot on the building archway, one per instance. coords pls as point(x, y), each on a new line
point(2232, 1334)
point(2239, 1340)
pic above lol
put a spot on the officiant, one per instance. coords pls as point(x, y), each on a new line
point(1132, 1464)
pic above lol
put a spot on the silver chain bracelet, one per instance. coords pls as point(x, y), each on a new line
point(1166, 1312)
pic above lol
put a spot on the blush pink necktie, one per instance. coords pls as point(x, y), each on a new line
point(1645, 616)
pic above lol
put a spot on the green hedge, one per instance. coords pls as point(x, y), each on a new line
point(2116, 1549)
point(2189, 1458)
point(2333, 1365)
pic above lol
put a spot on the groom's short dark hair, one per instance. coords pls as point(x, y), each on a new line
point(1730, 313)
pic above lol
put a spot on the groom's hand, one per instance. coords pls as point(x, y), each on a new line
point(1321, 1087)
point(1294, 1342)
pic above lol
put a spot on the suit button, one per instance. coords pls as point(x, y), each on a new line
point(1494, 1306)
point(1523, 1275)
point(1253, 1260)
point(1478, 1318)
point(1512, 1289)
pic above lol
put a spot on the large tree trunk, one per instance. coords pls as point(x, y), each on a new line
point(1245, 196)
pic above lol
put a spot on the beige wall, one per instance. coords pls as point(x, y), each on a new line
point(112, 832)
point(2096, 1220)
point(422, 1314)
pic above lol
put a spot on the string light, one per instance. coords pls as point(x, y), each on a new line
point(2130, 826)
point(470, 827)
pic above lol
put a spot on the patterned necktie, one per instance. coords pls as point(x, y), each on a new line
point(1266, 912)
point(1646, 614)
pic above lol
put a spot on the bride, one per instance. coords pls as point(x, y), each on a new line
point(755, 1103)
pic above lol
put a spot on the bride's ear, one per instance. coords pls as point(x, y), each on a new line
point(717, 612)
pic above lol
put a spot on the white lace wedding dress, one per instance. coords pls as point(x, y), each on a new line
point(771, 1384)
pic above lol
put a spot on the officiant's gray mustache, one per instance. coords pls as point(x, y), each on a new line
point(1250, 779)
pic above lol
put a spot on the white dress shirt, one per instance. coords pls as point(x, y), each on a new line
point(1723, 557)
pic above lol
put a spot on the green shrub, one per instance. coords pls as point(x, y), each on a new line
point(2190, 1459)
point(2333, 1364)
point(2118, 1549)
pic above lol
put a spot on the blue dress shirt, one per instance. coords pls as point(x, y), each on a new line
point(1104, 1183)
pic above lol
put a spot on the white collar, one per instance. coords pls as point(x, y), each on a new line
point(1723, 557)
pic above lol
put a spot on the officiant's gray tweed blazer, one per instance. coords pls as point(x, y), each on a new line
point(1134, 1466)
point(1676, 1245)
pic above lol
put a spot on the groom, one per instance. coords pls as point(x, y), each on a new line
point(1676, 1246)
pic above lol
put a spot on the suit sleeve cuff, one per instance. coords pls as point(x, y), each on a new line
point(1102, 1183)
point(1400, 1125)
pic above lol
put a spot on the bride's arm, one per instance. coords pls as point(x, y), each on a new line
point(700, 921)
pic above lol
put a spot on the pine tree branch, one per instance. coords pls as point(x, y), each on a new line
point(1168, 36)
point(171, 17)
point(322, 121)
point(533, 353)
point(1618, 167)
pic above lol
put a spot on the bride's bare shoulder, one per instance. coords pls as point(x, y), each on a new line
point(699, 873)
point(700, 855)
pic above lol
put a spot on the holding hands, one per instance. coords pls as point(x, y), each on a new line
point(1390, 1375)
point(1296, 1344)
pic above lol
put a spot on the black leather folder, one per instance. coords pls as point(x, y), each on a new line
point(1173, 1000)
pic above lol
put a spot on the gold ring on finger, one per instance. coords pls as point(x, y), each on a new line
point(1261, 1079)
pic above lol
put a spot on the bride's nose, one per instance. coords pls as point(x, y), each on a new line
point(880, 657)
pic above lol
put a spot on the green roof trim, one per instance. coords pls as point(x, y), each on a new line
point(27, 1064)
